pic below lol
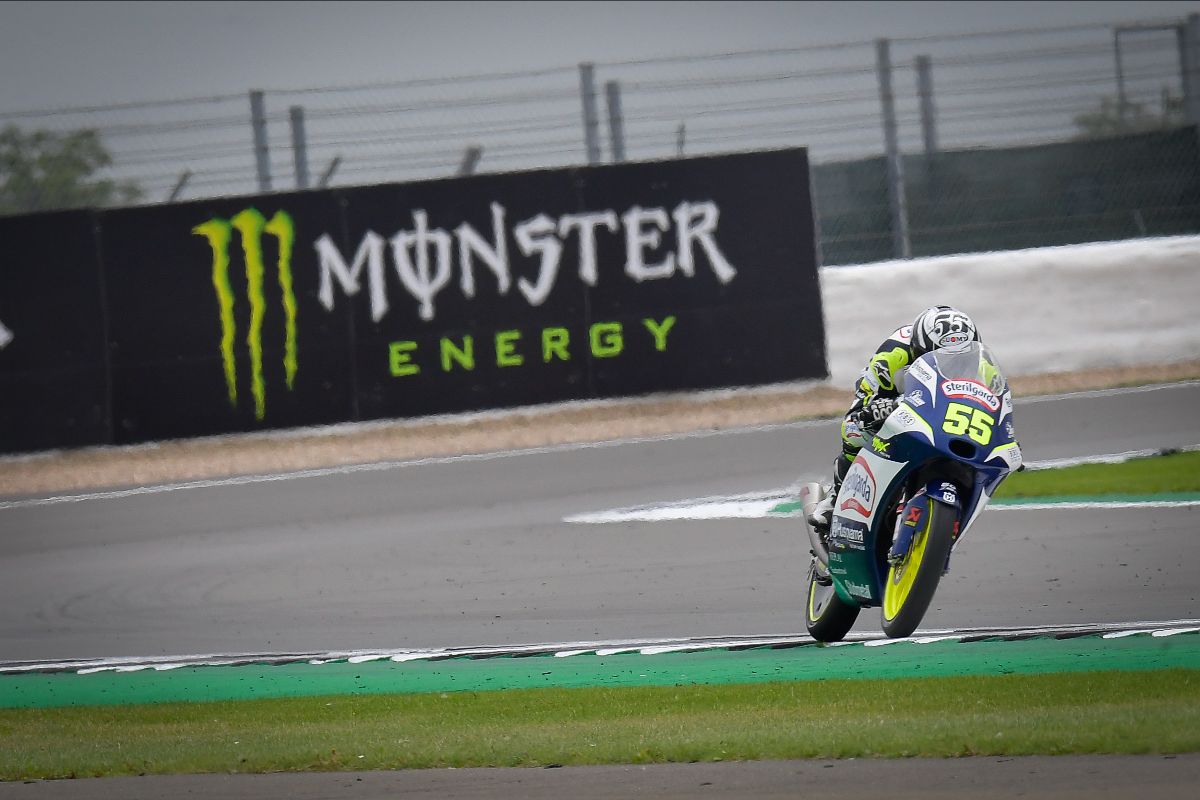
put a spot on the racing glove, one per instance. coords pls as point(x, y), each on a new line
point(875, 412)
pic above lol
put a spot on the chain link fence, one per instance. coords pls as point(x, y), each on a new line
point(1000, 139)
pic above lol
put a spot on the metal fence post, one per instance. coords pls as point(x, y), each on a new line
point(928, 122)
point(1181, 48)
point(184, 177)
point(1190, 56)
point(470, 160)
point(928, 111)
point(1122, 101)
point(328, 176)
point(258, 123)
point(895, 169)
point(299, 146)
point(591, 120)
point(818, 250)
point(616, 123)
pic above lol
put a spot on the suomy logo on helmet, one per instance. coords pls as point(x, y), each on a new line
point(952, 341)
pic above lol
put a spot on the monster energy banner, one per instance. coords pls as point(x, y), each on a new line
point(215, 324)
point(53, 380)
point(473, 293)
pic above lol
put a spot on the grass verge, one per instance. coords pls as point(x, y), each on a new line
point(1179, 472)
point(1089, 712)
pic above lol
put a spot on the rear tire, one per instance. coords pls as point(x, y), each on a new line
point(911, 584)
point(827, 615)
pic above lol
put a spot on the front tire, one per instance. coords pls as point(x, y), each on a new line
point(828, 616)
point(911, 583)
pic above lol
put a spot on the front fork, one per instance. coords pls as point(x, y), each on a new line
point(915, 514)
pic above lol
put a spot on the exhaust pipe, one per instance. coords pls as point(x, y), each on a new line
point(810, 495)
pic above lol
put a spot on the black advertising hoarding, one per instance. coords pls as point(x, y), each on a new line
point(52, 372)
point(460, 330)
point(401, 300)
point(215, 321)
point(725, 248)
point(505, 290)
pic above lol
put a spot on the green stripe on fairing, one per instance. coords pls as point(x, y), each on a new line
point(897, 660)
point(791, 507)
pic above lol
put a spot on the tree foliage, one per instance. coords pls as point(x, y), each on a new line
point(46, 170)
point(1108, 119)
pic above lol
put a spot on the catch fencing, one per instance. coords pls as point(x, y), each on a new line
point(919, 146)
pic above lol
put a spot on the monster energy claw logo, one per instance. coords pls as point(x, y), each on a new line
point(251, 225)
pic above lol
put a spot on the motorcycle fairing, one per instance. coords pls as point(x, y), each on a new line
point(924, 429)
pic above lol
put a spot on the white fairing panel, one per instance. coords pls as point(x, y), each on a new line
point(924, 374)
point(905, 420)
point(866, 483)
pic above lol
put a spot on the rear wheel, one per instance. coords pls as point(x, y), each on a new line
point(828, 616)
point(911, 583)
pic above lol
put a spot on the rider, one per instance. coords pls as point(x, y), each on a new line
point(878, 389)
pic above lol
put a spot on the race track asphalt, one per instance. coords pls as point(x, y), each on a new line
point(474, 551)
point(1146, 777)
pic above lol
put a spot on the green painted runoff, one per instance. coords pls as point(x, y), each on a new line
point(853, 661)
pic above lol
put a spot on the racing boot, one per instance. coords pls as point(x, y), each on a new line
point(822, 515)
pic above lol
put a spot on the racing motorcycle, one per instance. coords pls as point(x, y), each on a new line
point(912, 492)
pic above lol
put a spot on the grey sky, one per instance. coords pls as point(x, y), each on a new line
point(65, 54)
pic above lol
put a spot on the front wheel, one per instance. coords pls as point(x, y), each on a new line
point(828, 616)
point(911, 583)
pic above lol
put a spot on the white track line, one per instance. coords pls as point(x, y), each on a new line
point(381, 466)
point(760, 510)
point(1118, 630)
point(1045, 398)
point(1092, 506)
point(349, 469)
point(243, 480)
point(758, 505)
point(1111, 458)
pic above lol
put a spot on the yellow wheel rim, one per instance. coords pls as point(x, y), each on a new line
point(812, 600)
point(901, 578)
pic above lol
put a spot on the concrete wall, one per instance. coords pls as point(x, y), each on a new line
point(1109, 304)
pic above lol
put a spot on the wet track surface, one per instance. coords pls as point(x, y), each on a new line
point(1035, 778)
point(475, 552)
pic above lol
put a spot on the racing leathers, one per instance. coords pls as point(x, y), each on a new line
point(875, 395)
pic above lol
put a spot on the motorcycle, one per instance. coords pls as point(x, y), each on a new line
point(913, 490)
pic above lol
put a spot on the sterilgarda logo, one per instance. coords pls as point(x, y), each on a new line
point(858, 490)
point(251, 226)
point(971, 390)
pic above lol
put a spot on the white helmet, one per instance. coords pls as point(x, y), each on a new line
point(942, 328)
